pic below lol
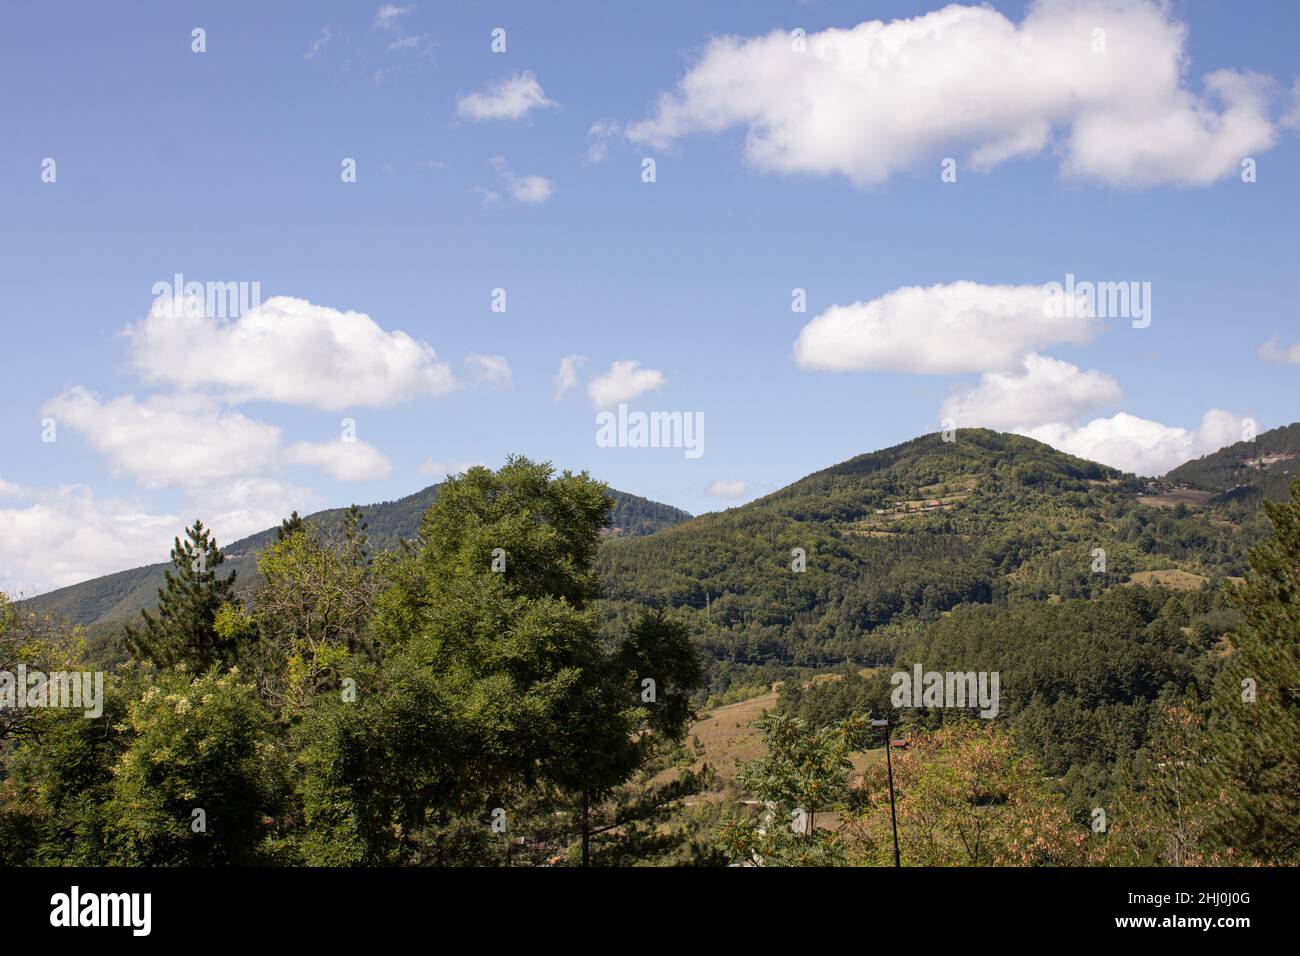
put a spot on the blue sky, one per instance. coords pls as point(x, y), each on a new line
point(775, 170)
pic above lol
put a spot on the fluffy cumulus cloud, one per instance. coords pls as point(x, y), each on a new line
point(1103, 83)
point(509, 98)
point(208, 460)
point(727, 488)
point(1045, 390)
point(940, 329)
point(344, 460)
point(168, 440)
point(191, 447)
point(965, 327)
point(54, 537)
point(188, 441)
point(287, 350)
point(623, 382)
point(1140, 445)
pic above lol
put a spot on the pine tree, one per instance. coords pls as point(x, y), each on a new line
point(289, 526)
point(355, 539)
point(184, 631)
point(1256, 733)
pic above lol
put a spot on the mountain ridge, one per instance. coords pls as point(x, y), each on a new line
point(112, 599)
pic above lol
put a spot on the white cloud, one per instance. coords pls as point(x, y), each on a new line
point(1047, 390)
point(389, 14)
point(183, 441)
point(187, 441)
point(9, 490)
point(940, 329)
point(531, 189)
point(344, 460)
point(441, 469)
point(405, 43)
point(509, 98)
point(878, 98)
point(525, 189)
point(317, 48)
point(236, 509)
point(623, 382)
point(64, 536)
point(727, 488)
point(600, 134)
point(287, 350)
point(61, 536)
point(1270, 351)
point(567, 377)
point(490, 370)
point(1140, 445)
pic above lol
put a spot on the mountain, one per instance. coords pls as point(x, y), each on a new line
point(896, 539)
point(103, 604)
point(1248, 471)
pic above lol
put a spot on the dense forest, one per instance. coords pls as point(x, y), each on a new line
point(893, 540)
point(1245, 473)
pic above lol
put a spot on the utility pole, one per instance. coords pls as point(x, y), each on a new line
point(889, 765)
point(586, 832)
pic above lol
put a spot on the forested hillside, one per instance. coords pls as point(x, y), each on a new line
point(894, 539)
point(1247, 472)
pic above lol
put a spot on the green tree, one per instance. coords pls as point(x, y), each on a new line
point(289, 526)
point(184, 629)
point(202, 778)
point(1256, 702)
point(179, 770)
point(1165, 813)
point(494, 676)
point(804, 772)
point(39, 641)
point(310, 615)
point(964, 796)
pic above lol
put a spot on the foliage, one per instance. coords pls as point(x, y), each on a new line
point(184, 629)
point(963, 797)
point(180, 770)
point(311, 611)
point(1256, 703)
point(804, 772)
